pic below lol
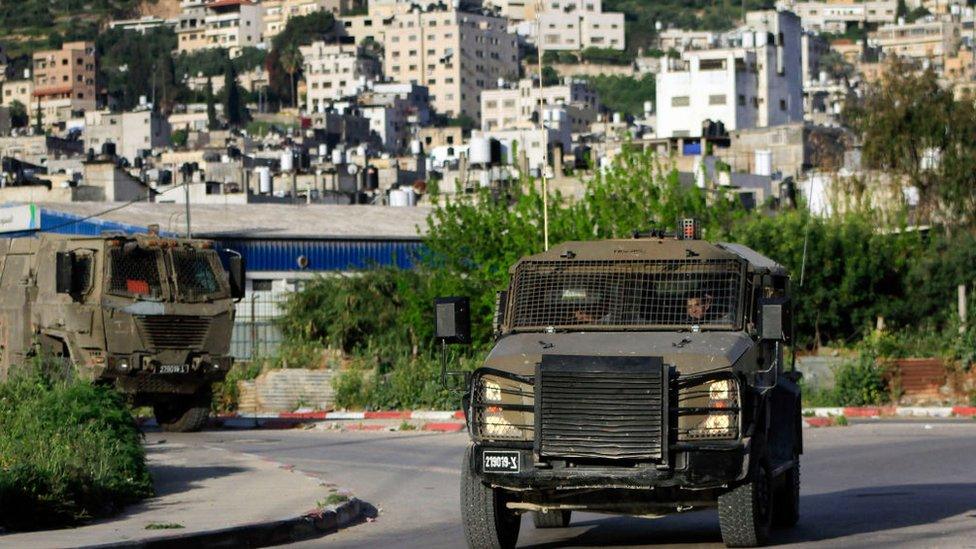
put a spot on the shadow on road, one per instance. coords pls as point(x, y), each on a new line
point(172, 479)
point(823, 517)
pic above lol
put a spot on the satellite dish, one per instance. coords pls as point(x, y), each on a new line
point(352, 169)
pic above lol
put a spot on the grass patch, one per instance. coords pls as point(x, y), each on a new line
point(841, 421)
point(407, 426)
point(69, 451)
point(333, 499)
point(164, 526)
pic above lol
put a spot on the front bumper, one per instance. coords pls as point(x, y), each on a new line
point(706, 466)
point(145, 379)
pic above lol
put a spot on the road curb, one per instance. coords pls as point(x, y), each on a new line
point(934, 412)
point(311, 525)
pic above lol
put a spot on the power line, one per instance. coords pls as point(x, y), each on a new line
point(110, 210)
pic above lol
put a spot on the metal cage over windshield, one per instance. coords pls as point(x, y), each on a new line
point(627, 295)
point(135, 272)
point(197, 274)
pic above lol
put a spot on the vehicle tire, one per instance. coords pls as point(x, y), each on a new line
point(786, 499)
point(488, 524)
point(744, 512)
point(551, 519)
point(182, 415)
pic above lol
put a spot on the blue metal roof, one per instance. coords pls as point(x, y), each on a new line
point(325, 255)
point(264, 254)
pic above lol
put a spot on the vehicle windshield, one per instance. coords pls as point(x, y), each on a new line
point(197, 274)
point(630, 295)
point(135, 272)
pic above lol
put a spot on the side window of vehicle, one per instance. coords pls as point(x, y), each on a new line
point(82, 271)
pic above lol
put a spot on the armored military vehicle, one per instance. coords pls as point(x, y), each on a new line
point(640, 377)
point(151, 316)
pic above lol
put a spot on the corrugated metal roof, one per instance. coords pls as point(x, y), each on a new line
point(263, 221)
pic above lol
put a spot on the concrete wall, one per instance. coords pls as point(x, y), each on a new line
point(286, 390)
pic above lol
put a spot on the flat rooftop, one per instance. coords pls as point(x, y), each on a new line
point(262, 221)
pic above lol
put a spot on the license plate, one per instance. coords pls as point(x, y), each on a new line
point(174, 368)
point(501, 462)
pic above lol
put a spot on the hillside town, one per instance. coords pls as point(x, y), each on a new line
point(297, 260)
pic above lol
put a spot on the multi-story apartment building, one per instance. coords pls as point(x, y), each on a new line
point(757, 83)
point(455, 54)
point(20, 91)
point(335, 71)
point(923, 41)
point(835, 16)
point(278, 12)
point(683, 39)
point(517, 106)
point(233, 25)
point(191, 26)
point(64, 81)
point(572, 25)
point(130, 132)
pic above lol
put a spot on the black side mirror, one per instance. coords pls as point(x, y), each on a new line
point(776, 323)
point(452, 320)
point(237, 272)
point(63, 272)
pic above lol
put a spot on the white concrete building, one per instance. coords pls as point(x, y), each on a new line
point(335, 71)
point(131, 132)
point(924, 41)
point(758, 83)
point(455, 54)
point(233, 24)
point(191, 26)
point(572, 25)
point(836, 16)
point(518, 105)
point(143, 24)
point(278, 12)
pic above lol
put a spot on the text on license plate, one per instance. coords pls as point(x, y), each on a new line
point(174, 368)
point(500, 462)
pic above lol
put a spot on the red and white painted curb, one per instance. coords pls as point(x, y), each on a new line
point(434, 420)
point(453, 421)
point(893, 411)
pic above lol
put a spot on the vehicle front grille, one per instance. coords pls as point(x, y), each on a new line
point(601, 407)
point(174, 332)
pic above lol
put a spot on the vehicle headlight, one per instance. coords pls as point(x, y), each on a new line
point(708, 411)
point(502, 408)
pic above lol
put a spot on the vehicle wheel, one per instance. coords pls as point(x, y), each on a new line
point(182, 415)
point(786, 512)
point(744, 512)
point(488, 524)
point(551, 519)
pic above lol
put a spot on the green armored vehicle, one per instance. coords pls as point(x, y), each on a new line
point(151, 316)
point(639, 377)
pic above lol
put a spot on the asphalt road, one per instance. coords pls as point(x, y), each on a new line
point(908, 484)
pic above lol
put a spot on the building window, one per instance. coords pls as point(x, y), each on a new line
point(742, 100)
point(716, 99)
point(782, 104)
point(680, 101)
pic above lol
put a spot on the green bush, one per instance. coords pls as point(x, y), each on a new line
point(69, 451)
point(226, 394)
point(860, 383)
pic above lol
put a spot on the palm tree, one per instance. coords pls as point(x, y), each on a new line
point(291, 61)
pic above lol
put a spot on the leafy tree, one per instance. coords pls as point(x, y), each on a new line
point(834, 64)
point(624, 94)
point(291, 62)
point(178, 138)
point(284, 62)
point(132, 65)
point(914, 129)
point(38, 120)
point(234, 109)
point(549, 76)
point(18, 115)
point(607, 56)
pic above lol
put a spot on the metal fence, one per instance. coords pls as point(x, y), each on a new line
point(255, 333)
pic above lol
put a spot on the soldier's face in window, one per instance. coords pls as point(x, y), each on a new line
point(697, 307)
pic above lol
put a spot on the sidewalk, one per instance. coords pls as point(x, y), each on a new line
point(206, 496)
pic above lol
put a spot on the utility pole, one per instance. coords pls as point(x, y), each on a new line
point(542, 128)
point(187, 170)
